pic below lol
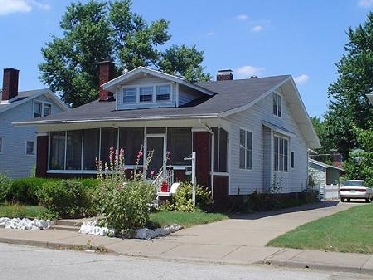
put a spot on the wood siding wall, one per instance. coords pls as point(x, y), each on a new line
point(13, 159)
point(260, 176)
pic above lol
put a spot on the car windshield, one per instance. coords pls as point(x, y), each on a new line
point(353, 183)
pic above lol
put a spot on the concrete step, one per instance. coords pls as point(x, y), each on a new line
point(65, 227)
point(69, 222)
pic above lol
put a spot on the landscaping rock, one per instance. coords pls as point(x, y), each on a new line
point(24, 224)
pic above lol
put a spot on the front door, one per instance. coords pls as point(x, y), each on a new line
point(155, 146)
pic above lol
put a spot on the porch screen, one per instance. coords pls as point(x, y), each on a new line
point(74, 150)
point(91, 140)
point(179, 145)
point(131, 140)
point(57, 150)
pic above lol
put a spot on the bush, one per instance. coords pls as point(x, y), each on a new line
point(5, 184)
point(124, 205)
point(65, 198)
point(183, 199)
point(24, 190)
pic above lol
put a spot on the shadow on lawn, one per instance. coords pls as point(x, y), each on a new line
point(305, 207)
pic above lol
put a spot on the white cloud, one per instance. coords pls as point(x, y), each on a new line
point(257, 28)
point(242, 17)
point(301, 79)
point(20, 6)
point(210, 33)
point(366, 3)
point(248, 71)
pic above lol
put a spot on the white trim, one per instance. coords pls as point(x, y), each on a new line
point(199, 129)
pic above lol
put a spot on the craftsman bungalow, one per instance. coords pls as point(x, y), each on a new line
point(247, 134)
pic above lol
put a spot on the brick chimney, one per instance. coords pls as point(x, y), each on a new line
point(10, 84)
point(106, 73)
point(224, 75)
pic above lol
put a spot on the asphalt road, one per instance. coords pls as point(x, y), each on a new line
point(26, 262)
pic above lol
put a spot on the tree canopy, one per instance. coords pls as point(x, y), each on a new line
point(99, 31)
point(349, 107)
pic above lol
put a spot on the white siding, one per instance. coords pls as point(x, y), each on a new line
point(13, 159)
point(258, 178)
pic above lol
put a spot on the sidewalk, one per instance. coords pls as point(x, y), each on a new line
point(239, 240)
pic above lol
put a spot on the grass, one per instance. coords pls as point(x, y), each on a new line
point(186, 219)
point(346, 231)
point(21, 211)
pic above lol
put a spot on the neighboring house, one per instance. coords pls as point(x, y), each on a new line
point(325, 178)
point(248, 134)
point(18, 144)
point(322, 174)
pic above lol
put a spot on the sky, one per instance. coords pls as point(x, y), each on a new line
point(252, 37)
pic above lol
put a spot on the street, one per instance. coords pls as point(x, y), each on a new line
point(26, 262)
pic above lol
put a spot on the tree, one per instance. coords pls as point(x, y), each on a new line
point(99, 31)
point(349, 107)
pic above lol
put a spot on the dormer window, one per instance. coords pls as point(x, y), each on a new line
point(129, 95)
point(163, 93)
point(145, 96)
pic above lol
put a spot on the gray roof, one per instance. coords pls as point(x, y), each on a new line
point(25, 96)
point(229, 95)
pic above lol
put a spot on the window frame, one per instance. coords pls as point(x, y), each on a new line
point(42, 106)
point(156, 94)
point(280, 153)
point(245, 150)
point(32, 153)
point(1, 144)
point(277, 104)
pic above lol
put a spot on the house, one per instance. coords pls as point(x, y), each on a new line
point(247, 134)
point(325, 178)
point(18, 144)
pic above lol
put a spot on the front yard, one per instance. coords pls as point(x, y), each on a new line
point(348, 231)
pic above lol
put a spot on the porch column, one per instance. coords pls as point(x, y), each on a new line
point(202, 147)
point(41, 155)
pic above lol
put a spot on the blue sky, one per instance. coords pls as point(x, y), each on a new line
point(270, 37)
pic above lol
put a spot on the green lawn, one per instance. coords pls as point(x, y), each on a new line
point(347, 231)
point(186, 219)
point(14, 211)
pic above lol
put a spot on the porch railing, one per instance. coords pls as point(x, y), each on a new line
point(164, 180)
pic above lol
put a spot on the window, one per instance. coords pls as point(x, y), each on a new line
point(220, 150)
point(163, 93)
point(30, 148)
point(246, 150)
point(280, 153)
point(42, 109)
point(146, 94)
point(292, 159)
point(277, 104)
point(129, 95)
point(57, 150)
point(1, 144)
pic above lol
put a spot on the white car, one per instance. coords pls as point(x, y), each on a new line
point(355, 189)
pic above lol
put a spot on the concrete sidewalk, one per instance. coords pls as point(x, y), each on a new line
point(239, 240)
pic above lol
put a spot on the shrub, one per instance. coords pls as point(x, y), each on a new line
point(24, 190)
point(124, 205)
point(183, 199)
point(5, 184)
point(65, 198)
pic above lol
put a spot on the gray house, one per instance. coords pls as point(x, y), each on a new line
point(248, 134)
point(18, 144)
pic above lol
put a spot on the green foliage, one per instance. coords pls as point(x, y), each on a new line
point(124, 205)
point(5, 184)
point(21, 211)
point(24, 190)
point(65, 198)
point(183, 201)
point(349, 106)
point(108, 30)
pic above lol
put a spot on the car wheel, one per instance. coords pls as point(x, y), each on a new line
point(367, 200)
point(342, 199)
point(348, 200)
